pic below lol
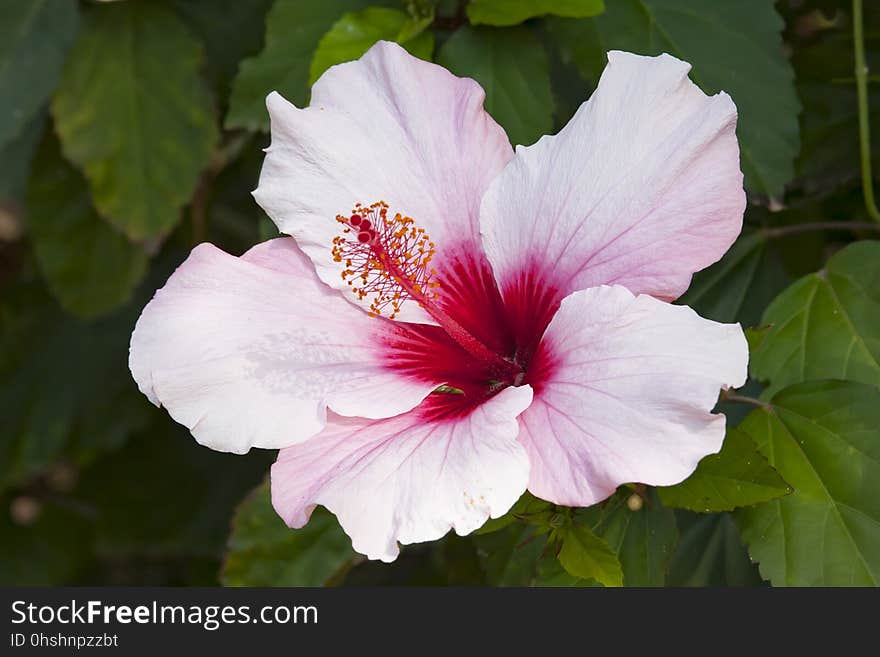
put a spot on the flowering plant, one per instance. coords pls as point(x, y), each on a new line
point(531, 292)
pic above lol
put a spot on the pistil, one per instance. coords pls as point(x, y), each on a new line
point(387, 260)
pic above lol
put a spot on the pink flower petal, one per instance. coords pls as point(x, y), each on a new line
point(642, 188)
point(407, 479)
point(624, 386)
point(388, 127)
point(249, 352)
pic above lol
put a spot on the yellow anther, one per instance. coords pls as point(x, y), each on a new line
point(389, 255)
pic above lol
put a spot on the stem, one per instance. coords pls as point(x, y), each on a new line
point(726, 395)
point(848, 81)
point(864, 129)
point(782, 231)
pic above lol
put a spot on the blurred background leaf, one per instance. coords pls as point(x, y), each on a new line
point(829, 155)
point(34, 38)
point(230, 30)
point(263, 551)
point(67, 391)
point(15, 159)
point(133, 113)
point(90, 266)
point(164, 494)
point(45, 543)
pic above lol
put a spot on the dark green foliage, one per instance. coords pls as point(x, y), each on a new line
point(710, 553)
point(737, 476)
point(512, 67)
point(824, 438)
point(34, 39)
point(262, 551)
point(134, 115)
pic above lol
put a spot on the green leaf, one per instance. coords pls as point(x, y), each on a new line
point(733, 46)
point(738, 287)
point(643, 539)
point(34, 38)
point(510, 554)
point(588, 556)
point(710, 553)
point(527, 507)
point(737, 476)
point(755, 337)
point(355, 33)
point(293, 30)
point(90, 266)
point(263, 551)
point(825, 325)
point(515, 554)
point(512, 67)
point(513, 12)
point(133, 113)
point(551, 573)
point(518, 555)
point(69, 391)
point(824, 438)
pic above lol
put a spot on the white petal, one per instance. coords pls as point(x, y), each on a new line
point(410, 478)
point(387, 127)
point(642, 188)
point(624, 386)
point(249, 352)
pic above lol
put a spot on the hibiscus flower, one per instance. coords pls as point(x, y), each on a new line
point(452, 323)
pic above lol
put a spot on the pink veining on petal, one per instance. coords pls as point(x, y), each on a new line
point(250, 351)
point(624, 386)
point(410, 478)
point(641, 188)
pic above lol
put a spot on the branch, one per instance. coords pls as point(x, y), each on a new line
point(864, 129)
point(782, 231)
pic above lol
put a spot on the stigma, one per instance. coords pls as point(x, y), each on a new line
point(386, 259)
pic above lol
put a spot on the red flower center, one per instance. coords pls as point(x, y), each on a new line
point(484, 341)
